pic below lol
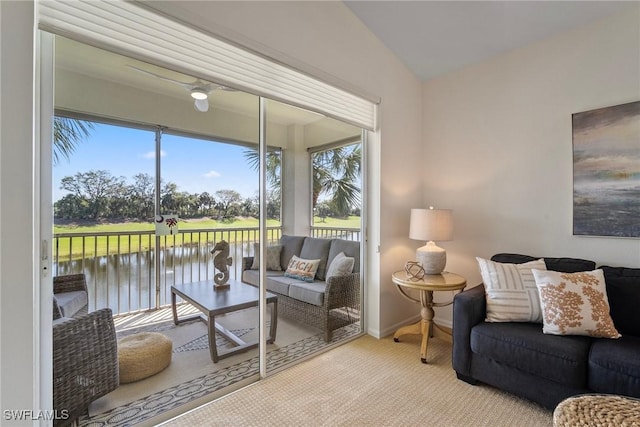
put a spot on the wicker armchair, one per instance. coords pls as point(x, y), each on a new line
point(70, 295)
point(85, 362)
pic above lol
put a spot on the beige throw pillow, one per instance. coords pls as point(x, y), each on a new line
point(575, 304)
point(511, 292)
point(341, 265)
point(302, 269)
point(273, 257)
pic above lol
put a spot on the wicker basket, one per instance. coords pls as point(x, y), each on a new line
point(597, 410)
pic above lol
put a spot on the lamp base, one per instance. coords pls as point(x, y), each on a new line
point(432, 257)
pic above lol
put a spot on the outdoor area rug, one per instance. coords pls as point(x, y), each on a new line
point(192, 375)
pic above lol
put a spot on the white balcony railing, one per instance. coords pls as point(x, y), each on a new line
point(120, 266)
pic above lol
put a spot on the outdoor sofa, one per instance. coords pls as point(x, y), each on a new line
point(327, 303)
point(519, 358)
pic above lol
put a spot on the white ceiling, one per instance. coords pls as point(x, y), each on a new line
point(436, 37)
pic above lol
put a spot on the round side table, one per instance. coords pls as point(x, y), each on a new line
point(429, 284)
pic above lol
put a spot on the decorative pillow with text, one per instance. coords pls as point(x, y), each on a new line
point(303, 269)
point(575, 304)
point(511, 291)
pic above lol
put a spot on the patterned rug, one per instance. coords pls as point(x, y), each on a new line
point(192, 375)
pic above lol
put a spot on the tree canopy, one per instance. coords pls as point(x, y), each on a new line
point(98, 195)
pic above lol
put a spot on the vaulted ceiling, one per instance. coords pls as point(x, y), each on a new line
point(436, 37)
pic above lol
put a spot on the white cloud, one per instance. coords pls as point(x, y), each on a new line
point(212, 174)
point(152, 154)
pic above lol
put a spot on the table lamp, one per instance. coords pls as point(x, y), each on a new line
point(431, 224)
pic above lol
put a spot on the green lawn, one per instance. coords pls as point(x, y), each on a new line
point(90, 246)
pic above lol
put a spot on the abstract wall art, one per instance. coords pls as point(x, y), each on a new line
point(606, 171)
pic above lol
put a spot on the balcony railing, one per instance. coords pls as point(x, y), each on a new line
point(120, 267)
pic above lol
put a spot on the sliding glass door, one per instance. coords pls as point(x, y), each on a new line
point(160, 204)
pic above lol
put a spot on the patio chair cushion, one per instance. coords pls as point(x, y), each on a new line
point(72, 302)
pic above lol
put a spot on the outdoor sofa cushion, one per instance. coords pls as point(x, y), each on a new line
point(291, 245)
point(277, 282)
point(313, 293)
point(314, 248)
point(349, 247)
point(71, 302)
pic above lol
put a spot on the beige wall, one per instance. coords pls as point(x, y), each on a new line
point(498, 144)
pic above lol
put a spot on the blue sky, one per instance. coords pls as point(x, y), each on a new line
point(194, 165)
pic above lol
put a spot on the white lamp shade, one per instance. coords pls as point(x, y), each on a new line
point(431, 224)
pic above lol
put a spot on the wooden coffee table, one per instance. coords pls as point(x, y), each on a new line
point(216, 301)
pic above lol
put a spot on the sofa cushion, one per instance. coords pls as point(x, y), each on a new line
point(273, 257)
point(275, 280)
point(291, 245)
point(71, 302)
point(623, 290)
point(614, 366)
point(566, 265)
point(523, 346)
point(575, 303)
point(511, 292)
point(349, 248)
point(314, 248)
point(313, 293)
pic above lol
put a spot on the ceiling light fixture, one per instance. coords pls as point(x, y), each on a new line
point(199, 93)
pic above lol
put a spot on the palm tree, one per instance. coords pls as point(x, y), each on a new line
point(335, 174)
point(67, 133)
point(274, 160)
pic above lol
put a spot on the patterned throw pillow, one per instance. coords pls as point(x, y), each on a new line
point(575, 304)
point(273, 257)
point(341, 265)
point(302, 269)
point(511, 292)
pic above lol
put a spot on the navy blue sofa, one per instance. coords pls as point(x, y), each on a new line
point(518, 358)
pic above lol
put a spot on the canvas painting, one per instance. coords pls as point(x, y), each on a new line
point(606, 171)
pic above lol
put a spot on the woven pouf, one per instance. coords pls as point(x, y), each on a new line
point(597, 410)
point(142, 355)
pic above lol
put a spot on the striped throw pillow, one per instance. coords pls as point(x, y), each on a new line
point(511, 292)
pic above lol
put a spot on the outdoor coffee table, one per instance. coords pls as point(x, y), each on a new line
point(216, 301)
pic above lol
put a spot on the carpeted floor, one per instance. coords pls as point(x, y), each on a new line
point(369, 382)
point(192, 377)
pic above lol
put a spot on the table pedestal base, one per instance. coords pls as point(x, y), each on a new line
point(423, 327)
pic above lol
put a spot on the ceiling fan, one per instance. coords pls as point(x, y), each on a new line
point(199, 89)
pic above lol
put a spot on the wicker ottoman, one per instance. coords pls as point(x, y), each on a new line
point(597, 410)
point(142, 355)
